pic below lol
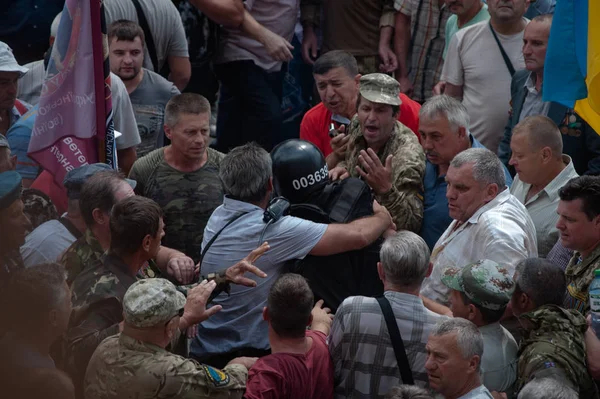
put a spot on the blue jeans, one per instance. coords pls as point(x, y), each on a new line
point(249, 105)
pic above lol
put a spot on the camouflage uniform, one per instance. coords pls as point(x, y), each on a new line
point(97, 294)
point(123, 367)
point(84, 252)
point(187, 199)
point(579, 274)
point(38, 207)
point(553, 346)
point(405, 200)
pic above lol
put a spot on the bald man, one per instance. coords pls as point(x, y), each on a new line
point(542, 169)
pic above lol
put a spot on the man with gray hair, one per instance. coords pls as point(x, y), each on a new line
point(454, 353)
point(240, 223)
point(360, 341)
point(489, 223)
point(547, 388)
point(444, 129)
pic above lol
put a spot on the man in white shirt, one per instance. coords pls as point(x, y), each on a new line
point(542, 169)
point(479, 65)
point(489, 223)
point(480, 293)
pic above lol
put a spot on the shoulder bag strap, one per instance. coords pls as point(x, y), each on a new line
point(69, 226)
point(507, 61)
point(212, 240)
point(397, 343)
point(149, 40)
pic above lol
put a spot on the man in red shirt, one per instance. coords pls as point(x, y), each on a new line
point(337, 78)
point(299, 365)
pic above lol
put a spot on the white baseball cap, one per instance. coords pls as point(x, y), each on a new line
point(8, 63)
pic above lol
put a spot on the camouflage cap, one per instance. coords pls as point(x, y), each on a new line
point(484, 282)
point(380, 88)
point(151, 302)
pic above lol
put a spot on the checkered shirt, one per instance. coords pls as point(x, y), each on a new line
point(364, 362)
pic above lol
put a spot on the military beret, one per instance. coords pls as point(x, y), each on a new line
point(4, 142)
point(484, 282)
point(10, 188)
point(151, 302)
point(380, 88)
point(74, 179)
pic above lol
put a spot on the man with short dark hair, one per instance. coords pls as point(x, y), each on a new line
point(579, 225)
point(360, 342)
point(480, 293)
point(337, 80)
point(148, 91)
point(299, 365)
point(183, 178)
point(553, 342)
point(384, 152)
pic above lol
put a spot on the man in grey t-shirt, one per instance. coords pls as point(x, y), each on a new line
point(148, 91)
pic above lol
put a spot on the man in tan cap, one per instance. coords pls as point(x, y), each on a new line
point(385, 153)
point(136, 363)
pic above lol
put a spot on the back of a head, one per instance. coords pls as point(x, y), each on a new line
point(408, 392)
point(543, 281)
point(245, 173)
point(125, 30)
point(448, 107)
point(468, 336)
point(487, 167)
point(131, 220)
point(336, 59)
point(289, 305)
point(587, 189)
point(547, 388)
point(98, 192)
point(405, 259)
point(185, 103)
point(541, 132)
point(299, 169)
point(31, 294)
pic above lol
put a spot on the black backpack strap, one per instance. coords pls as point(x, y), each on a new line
point(507, 61)
point(212, 240)
point(69, 226)
point(149, 39)
point(397, 343)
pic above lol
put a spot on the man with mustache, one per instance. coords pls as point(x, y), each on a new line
point(444, 128)
point(385, 153)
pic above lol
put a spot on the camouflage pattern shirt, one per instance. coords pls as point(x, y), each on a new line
point(187, 199)
point(97, 295)
point(579, 274)
point(123, 367)
point(84, 252)
point(553, 346)
point(405, 200)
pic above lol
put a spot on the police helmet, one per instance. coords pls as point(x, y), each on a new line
point(299, 169)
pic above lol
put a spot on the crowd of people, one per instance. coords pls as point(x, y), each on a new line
point(428, 228)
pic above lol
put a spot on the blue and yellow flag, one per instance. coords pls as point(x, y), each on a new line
point(572, 67)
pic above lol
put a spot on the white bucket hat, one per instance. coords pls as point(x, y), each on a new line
point(8, 63)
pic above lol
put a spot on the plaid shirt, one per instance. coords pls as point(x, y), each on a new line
point(500, 230)
point(364, 362)
point(427, 42)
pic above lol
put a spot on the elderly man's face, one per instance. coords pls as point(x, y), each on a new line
point(535, 43)
point(507, 10)
point(440, 141)
point(465, 194)
point(338, 90)
point(8, 89)
point(527, 162)
point(13, 220)
point(445, 365)
point(376, 122)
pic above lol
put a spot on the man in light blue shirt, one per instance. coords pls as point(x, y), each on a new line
point(464, 14)
point(443, 125)
point(238, 329)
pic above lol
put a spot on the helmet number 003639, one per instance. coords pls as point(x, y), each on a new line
point(311, 179)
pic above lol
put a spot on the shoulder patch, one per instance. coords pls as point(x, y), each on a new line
point(548, 365)
point(217, 377)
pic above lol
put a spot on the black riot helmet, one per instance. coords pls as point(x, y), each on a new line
point(299, 169)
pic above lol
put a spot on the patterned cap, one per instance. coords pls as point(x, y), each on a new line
point(484, 282)
point(4, 142)
point(10, 188)
point(380, 88)
point(151, 302)
point(75, 178)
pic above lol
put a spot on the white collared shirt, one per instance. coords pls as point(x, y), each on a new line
point(533, 103)
point(500, 230)
point(542, 206)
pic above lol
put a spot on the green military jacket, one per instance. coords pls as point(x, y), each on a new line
point(84, 252)
point(553, 345)
point(579, 276)
point(405, 199)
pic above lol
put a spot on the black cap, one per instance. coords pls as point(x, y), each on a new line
point(74, 179)
point(299, 169)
